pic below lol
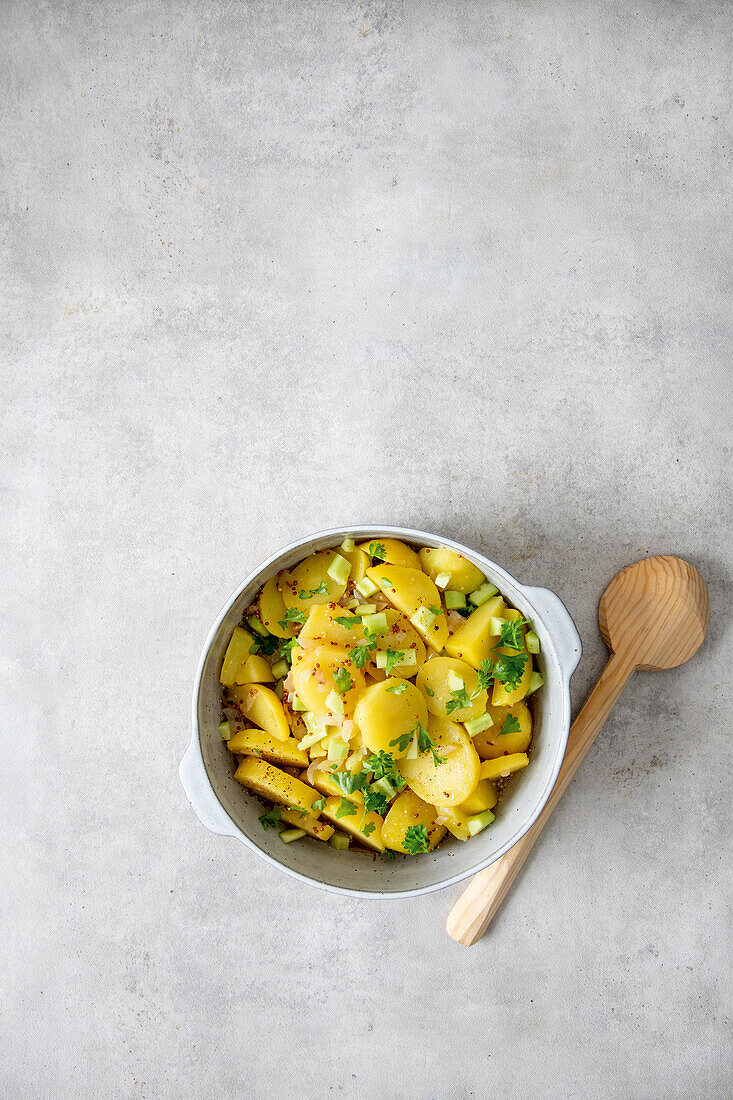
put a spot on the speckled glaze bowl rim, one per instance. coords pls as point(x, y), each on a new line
point(561, 632)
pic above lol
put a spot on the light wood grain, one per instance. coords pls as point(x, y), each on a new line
point(653, 615)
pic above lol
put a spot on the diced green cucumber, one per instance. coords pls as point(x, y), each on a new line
point(455, 683)
point(478, 822)
point(365, 609)
point(406, 657)
point(442, 580)
point(495, 624)
point(532, 642)
point(383, 786)
point(254, 623)
point(338, 750)
point(376, 624)
point(289, 835)
point(335, 703)
point(311, 738)
point(225, 731)
point(348, 546)
point(478, 725)
point(339, 569)
point(483, 593)
point(536, 681)
point(279, 690)
point(296, 704)
point(366, 587)
point(339, 841)
point(454, 600)
point(423, 618)
point(280, 669)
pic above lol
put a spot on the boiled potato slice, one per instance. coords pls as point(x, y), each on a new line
point(321, 626)
point(238, 650)
point(250, 742)
point(406, 810)
point(276, 785)
point(309, 583)
point(501, 696)
point(504, 766)
point(263, 708)
point(484, 797)
point(313, 678)
point(409, 590)
point(492, 743)
point(464, 576)
point(456, 821)
point(271, 608)
point(324, 782)
point(396, 552)
point(255, 670)
point(434, 680)
point(366, 829)
point(310, 823)
point(359, 563)
point(385, 718)
point(401, 635)
point(449, 783)
point(473, 641)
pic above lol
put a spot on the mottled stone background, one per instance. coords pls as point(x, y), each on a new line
point(273, 266)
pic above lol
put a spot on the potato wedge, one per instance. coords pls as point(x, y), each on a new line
point(464, 576)
point(317, 673)
point(276, 785)
point(474, 640)
point(406, 810)
point(435, 680)
point(504, 766)
point(483, 797)
point(310, 823)
point(359, 563)
point(251, 742)
point(449, 783)
point(492, 743)
point(238, 650)
point(271, 607)
point(366, 829)
point(263, 708)
point(396, 552)
point(385, 718)
point(410, 590)
point(255, 670)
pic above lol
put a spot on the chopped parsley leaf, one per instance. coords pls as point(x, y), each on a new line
point(511, 633)
point(322, 590)
point(346, 809)
point(376, 552)
point(425, 743)
point(458, 701)
point(292, 615)
point(369, 828)
point(397, 689)
point(416, 839)
point(509, 669)
point(394, 656)
point(374, 802)
point(318, 805)
point(342, 680)
point(348, 783)
point(402, 741)
point(270, 819)
point(511, 725)
point(349, 621)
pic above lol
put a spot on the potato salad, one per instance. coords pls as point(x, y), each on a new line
point(377, 694)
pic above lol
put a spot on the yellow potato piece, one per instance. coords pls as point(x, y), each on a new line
point(313, 679)
point(397, 553)
point(310, 823)
point(501, 697)
point(409, 590)
point(299, 587)
point(504, 766)
point(249, 742)
point(276, 785)
point(400, 636)
point(324, 782)
point(451, 782)
point(255, 670)
point(490, 744)
point(263, 708)
point(434, 681)
point(384, 718)
point(464, 576)
point(359, 563)
point(321, 626)
point(271, 608)
point(484, 797)
point(473, 641)
point(367, 830)
point(457, 821)
point(238, 650)
point(406, 810)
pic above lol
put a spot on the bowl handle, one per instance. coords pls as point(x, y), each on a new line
point(200, 794)
point(560, 626)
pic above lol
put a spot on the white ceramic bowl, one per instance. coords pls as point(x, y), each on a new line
point(224, 807)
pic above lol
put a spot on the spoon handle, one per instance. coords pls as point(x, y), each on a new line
point(470, 916)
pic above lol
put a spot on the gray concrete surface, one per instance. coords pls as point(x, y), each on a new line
point(269, 267)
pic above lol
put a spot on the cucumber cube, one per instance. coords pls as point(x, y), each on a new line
point(339, 569)
point(455, 683)
point(478, 822)
point(365, 609)
point(280, 669)
point(296, 704)
point(339, 841)
point(335, 703)
point(289, 835)
point(423, 619)
point(254, 624)
point(478, 725)
point(532, 642)
point(454, 600)
point(348, 546)
point(407, 657)
point(495, 624)
point(536, 681)
point(338, 750)
point(366, 587)
point(225, 731)
point(442, 580)
point(376, 624)
point(483, 593)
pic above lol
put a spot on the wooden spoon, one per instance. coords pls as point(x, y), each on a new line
point(653, 615)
